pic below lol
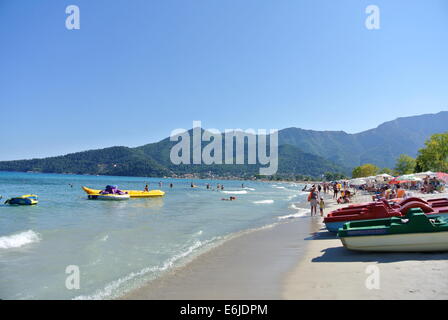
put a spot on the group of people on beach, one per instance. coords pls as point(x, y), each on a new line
point(430, 185)
point(341, 194)
point(315, 199)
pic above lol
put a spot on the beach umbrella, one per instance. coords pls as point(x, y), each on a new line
point(425, 174)
point(405, 178)
point(383, 177)
point(358, 182)
point(442, 176)
point(409, 177)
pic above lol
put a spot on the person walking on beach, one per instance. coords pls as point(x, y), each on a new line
point(321, 206)
point(335, 191)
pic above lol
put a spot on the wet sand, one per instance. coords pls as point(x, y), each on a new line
point(250, 266)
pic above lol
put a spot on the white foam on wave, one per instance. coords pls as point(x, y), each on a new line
point(292, 197)
point(301, 212)
point(264, 201)
point(235, 192)
point(296, 194)
point(117, 287)
point(113, 287)
point(251, 189)
point(19, 239)
point(279, 187)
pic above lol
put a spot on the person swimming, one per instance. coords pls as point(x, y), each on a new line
point(230, 199)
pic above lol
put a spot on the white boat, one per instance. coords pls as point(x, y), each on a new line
point(410, 242)
point(416, 232)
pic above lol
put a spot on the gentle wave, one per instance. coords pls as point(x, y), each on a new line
point(19, 239)
point(251, 189)
point(113, 288)
point(301, 212)
point(235, 192)
point(292, 197)
point(264, 202)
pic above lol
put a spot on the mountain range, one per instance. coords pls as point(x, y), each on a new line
point(301, 152)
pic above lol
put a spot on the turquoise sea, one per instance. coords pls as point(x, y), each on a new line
point(119, 245)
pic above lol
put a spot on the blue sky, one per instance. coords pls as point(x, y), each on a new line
point(138, 69)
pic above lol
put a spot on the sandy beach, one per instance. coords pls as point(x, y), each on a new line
point(299, 259)
point(250, 266)
point(329, 271)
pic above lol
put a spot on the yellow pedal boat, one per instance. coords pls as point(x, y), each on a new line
point(132, 193)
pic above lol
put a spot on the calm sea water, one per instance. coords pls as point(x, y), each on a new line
point(120, 245)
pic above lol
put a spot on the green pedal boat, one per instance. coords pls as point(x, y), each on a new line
point(416, 232)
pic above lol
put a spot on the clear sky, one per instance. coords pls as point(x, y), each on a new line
point(138, 69)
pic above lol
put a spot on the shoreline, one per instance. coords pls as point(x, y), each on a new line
point(237, 269)
point(299, 260)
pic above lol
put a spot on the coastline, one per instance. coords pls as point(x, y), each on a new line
point(299, 260)
point(248, 266)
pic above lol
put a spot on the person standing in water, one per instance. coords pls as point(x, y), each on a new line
point(171, 185)
point(146, 188)
point(312, 198)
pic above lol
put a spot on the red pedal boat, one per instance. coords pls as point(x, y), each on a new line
point(384, 209)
